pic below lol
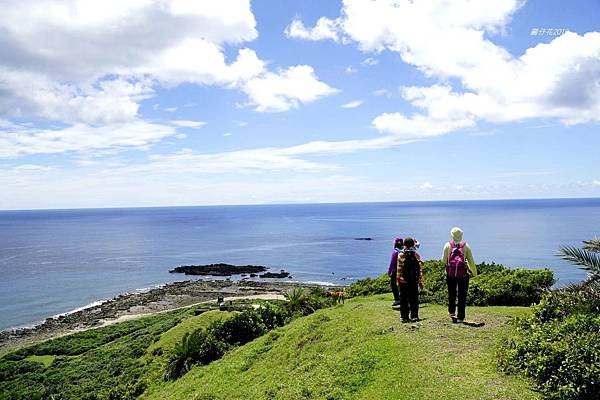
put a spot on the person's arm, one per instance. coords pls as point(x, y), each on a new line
point(446, 253)
point(470, 260)
point(393, 263)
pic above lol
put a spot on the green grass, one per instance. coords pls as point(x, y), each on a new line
point(362, 351)
point(45, 360)
point(169, 338)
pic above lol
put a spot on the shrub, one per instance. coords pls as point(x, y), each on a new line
point(197, 347)
point(302, 303)
point(557, 346)
point(272, 316)
point(203, 346)
point(368, 286)
point(514, 287)
point(239, 329)
point(495, 285)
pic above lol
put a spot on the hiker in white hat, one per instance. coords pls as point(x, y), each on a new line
point(460, 266)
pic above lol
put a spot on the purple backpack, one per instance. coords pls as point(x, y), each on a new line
point(456, 266)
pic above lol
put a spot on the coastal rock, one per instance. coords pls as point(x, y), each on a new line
point(281, 274)
point(218, 269)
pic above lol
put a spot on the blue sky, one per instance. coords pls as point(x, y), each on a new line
point(150, 103)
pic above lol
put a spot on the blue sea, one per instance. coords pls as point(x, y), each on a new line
point(54, 261)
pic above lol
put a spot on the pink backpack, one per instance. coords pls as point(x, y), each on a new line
point(456, 266)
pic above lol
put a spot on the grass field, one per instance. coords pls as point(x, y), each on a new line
point(361, 351)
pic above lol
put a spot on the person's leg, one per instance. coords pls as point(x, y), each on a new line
point(394, 286)
point(414, 300)
point(451, 295)
point(404, 293)
point(463, 287)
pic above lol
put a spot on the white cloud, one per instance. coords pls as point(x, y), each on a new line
point(81, 62)
point(170, 109)
point(275, 92)
point(80, 137)
point(369, 61)
point(59, 60)
point(242, 161)
point(324, 28)
point(556, 80)
point(185, 123)
point(418, 126)
point(351, 70)
point(426, 186)
point(33, 167)
point(240, 123)
point(27, 94)
point(352, 104)
point(381, 92)
point(227, 134)
point(596, 182)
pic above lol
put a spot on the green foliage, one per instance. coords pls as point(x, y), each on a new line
point(101, 363)
point(588, 260)
point(361, 350)
point(195, 347)
point(592, 244)
point(515, 287)
point(369, 286)
point(302, 302)
point(239, 329)
point(494, 285)
point(203, 346)
point(558, 344)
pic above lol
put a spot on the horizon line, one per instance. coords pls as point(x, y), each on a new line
point(284, 203)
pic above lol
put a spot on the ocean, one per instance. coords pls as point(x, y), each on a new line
point(55, 261)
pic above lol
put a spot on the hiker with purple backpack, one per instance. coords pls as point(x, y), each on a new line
point(460, 266)
point(392, 271)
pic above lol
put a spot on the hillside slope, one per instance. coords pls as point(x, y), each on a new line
point(361, 351)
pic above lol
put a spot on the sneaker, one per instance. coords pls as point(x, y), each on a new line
point(396, 303)
point(405, 320)
point(415, 319)
point(459, 321)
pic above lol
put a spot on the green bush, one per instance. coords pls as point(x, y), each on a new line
point(197, 347)
point(203, 346)
point(239, 329)
point(99, 371)
point(302, 302)
point(557, 346)
point(495, 285)
point(369, 286)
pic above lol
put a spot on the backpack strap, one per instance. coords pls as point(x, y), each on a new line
point(452, 244)
point(461, 245)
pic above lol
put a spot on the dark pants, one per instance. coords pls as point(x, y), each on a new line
point(458, 286)
point(394, 286)
point(409, 300)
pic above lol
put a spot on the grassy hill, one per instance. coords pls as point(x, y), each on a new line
point(356, 351)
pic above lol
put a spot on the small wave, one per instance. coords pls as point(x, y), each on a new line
point(92, 304)
point(320, 283)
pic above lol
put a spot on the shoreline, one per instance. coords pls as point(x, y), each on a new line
point(137, 304)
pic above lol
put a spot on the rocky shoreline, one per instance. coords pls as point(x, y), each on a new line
point(168, 297)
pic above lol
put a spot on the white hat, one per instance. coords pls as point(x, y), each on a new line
point(457, 234)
